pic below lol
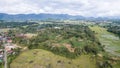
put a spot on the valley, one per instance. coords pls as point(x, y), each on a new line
point(62, 45)
point(59, 34)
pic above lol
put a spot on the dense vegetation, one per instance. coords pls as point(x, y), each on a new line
point(68, 40)
point(115, 29)
point(14, 24)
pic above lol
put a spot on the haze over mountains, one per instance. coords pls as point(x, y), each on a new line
point(37, 16)
point(43, 16)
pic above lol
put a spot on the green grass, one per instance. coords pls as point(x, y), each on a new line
point(41, 58)
point(117, 65)
point(74, 41)
point(110, 40)
point(118, 51)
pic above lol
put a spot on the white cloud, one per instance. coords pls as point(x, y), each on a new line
point(73, 7)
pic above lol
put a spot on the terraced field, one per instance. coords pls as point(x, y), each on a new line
point(38, 58)
point(109, 40)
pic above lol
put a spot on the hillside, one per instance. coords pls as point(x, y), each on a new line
point(38, 58)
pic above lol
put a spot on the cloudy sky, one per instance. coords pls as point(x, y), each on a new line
point(72, 7)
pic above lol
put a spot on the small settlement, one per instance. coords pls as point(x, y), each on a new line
point(6, 44)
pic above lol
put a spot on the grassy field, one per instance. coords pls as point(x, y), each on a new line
point(110, 40)
point(39, 58)
point(30, 35)
point(4, 30)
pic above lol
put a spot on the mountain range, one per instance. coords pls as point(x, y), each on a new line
point(43, 16)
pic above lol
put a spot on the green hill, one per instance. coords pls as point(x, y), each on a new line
point(38, 58)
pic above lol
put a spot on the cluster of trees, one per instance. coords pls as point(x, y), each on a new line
point(69, 34)
point(49, 35)
point(4, 24)
point(116, 21)
point(114, 29)
point(29, 28)
point(104, 64)
point(63, 34)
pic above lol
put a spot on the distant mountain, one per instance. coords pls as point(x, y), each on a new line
point(42, 16)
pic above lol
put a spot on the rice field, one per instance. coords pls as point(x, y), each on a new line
point(109, 40)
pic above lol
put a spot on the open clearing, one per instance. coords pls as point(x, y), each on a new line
point(38, 58)
point(4, 30)
point(30, 35)
point(110, 40)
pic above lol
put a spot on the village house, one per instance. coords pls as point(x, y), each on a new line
point(9, 41)
point(9, 47)
point(1, 54)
